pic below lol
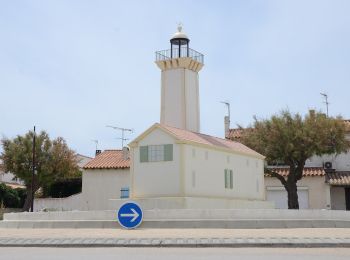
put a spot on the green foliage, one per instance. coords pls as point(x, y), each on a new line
point(291, 139)
point(11, 198)
point(64, 188)
point(54, 160)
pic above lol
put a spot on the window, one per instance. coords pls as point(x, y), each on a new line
point(228, 179)
point(156, 153)
point(193, 153)
point(124, 193)
point(206, 155)
point(228, 159)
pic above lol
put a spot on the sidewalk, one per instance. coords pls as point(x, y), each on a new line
point(175, 237)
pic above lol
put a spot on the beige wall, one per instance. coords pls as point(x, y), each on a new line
point(100, 185)
point(316, 186)
point(155, 179)
point(204, 175)
point(338, 198)
point(180, 99)
point(193, 173)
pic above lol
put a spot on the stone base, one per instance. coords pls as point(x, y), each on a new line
point(184, 218)
point(193, 203)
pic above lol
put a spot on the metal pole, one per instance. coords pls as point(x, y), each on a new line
point(33, 173)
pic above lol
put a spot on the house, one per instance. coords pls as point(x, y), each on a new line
point(9, 179)
point(325, 183)
point(105, 177)
point(195, 170)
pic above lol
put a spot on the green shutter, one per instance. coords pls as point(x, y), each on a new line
point(231, 179)
point(226, 183)
point(168, 152)
point(143, 153)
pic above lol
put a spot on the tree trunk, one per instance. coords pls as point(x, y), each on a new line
point(291, 188)
point(28, 200)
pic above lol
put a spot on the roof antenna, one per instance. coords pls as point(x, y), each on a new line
point(123, 132)
point(227, 119)
point(326, 101)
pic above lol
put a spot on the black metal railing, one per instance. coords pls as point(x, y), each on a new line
point(179, 53)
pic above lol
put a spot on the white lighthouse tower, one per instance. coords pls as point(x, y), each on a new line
point(179, 83)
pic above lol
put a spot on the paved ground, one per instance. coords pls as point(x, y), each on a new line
point(175, 253)
point(175, 237)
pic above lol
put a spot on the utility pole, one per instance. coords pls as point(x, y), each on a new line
point(96, 143)
point(33, 173)
point(227, 119)
point(326, 101)
point(123, 132)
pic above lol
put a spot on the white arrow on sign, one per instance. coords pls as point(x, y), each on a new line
point(134, 214)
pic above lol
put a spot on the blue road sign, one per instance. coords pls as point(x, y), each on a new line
point(130, 215)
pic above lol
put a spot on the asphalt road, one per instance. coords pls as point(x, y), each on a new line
point(175, 253)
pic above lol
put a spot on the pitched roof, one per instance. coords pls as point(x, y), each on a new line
point(186, 135)
point(338, 178)
point(308, 171)
point(109, 159)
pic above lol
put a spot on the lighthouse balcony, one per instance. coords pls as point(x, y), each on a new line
point(183, 52)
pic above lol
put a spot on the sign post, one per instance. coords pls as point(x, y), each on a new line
point(130, 215)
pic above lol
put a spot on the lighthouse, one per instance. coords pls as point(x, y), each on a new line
point(179, 67)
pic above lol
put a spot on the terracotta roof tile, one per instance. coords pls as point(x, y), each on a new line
point(308, 171)
point(199, 138)
point(108, 159)
point(338, 178)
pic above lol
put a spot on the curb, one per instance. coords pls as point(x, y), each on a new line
point(306, 242)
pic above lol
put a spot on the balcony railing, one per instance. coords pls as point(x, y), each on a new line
point(175, 53)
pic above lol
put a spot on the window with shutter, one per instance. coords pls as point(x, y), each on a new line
point(143, 153)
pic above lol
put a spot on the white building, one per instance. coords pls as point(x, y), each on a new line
point(184, 169)
point(172, 165)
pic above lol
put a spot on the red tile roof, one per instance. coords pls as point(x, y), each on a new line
point(199, 138)
point(338, 178)
point(108, 159)
point(308, 171)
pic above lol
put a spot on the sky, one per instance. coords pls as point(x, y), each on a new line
point(73, 67)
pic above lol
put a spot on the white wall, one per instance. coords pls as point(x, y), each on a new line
point(100, 185)
point(155, 179)
point(180, 99)
point(73, 202)
point(318, 197)
point(338, 198)
point(340, 162)
point(9, 178)
point(205, 177)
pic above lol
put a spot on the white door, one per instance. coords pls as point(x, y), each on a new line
point(278, 195)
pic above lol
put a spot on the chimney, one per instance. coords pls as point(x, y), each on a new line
point(125, 153)
point(227, 126)
point(97, 152)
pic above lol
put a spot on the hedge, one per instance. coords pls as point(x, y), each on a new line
point(11, 198)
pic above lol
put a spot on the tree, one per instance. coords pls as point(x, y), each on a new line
point(291, 139)
point(54, 161)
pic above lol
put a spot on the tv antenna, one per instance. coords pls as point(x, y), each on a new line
point(326, 101)
point(96, 143)
point(123, 132)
